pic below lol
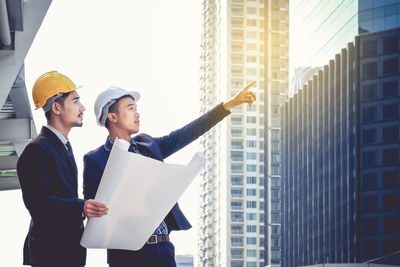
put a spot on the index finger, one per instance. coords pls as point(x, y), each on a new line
point(248, 86)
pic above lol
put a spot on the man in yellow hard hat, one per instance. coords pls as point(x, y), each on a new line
point(48, 176)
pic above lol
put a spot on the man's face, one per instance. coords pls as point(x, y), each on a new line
point(127, 116)
point(72, 110)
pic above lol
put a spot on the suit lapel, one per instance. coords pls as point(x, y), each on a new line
point(61, 147)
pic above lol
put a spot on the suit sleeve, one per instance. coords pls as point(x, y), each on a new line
point(178, 139)
point(91, 178)
point(35, 181)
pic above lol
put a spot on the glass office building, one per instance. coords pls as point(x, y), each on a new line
point(240, 206)
point(320, 28)
point(341, 158)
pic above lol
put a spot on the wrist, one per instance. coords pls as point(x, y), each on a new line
point(227, 105)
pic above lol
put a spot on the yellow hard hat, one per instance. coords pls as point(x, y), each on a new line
point(50, 84)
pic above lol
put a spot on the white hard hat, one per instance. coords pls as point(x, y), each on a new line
point(108, 97)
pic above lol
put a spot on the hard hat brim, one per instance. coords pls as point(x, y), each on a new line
point(55, 93)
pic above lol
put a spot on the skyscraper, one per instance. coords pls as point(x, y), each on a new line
point(243, 41)
point(320, 28)
point(341, 158)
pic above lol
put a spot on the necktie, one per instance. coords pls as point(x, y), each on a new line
point(134, 148)
point(70, 152)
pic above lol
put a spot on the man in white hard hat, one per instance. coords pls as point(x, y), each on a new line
point(48, 176)
point(116, 110)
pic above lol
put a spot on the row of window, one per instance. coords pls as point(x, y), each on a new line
point(388, 112)
point(238, 168)
point(389, 66)
point(381, 225)
point(238, 144)
point(237, 132)
point(250, 216)
point(386, 179)
point(238, 180)
point(238, 156)
point(380, 135)
point(238, 229)
point(381, 202)
point(371, 92)
point(389, 156)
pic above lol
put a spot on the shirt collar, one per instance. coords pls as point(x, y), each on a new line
point(109, 143)
point(58, 134)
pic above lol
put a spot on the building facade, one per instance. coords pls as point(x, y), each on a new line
point(239, 216)
point(321, 28)
point(341, 197)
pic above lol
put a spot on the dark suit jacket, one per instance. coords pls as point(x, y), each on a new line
point(157, 148)
point(48, 179)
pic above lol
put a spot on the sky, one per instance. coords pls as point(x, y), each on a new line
point(148, 46)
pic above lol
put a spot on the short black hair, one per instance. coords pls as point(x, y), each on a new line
point(60, 101)
point(114, 108)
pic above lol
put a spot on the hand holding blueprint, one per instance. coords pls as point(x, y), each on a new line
point(139, 192)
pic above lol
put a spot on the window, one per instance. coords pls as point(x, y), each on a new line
point(275, 158)
point(370, 203)
point(251, 10)
point(261, 157)
point(235, 168)
point(236, 180)
point(275, 255)
point(251, 119)
point(369, 114)
point(237, 35)
point(251, 168)
point(369, 92)
point(369, 180)
point(251, 264)
point(237, 253)
point(251, 228)
point(236, 205)
point(391, 225)
point(368, 158)
point(275, 182)
point(390, 111)
point(390, 202)
point(237, 155)
point(236, 241)
point(236, 120)
point(237, 192)
point(275, 170)
point(369, 136)
point(251, 192)
point(237, 216)
point(390, 66)
point(390, 245)
point(236, 264)
point(275, 206)
point(390, 134)
point(370, 248)
point(251, 22)
point(262, 256)
point(251, 46)
point(237, 145)
point(389, 89)
point(276, 218)
point(275, 134)
point(236, 229)
point(390, 44)
point(251, 59)
point(275, 194)
point(251, 216)
point(262, 230)
point(275, 242)
point(276, 122)
point(369, 70)
point(251, 131)
point(390, 156)
point(236, 132)
point(262, 242)
point(370, 225)
point(262, 205)
point(251, 180)
point(275, 230)
point(251, 204)
point(251, 240)
point(251, 253)
point(390, 178)
point(369, 48)
point(275, 146)
point(251, 71)
point(251, 143)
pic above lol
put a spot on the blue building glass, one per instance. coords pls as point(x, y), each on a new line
point(341, 158)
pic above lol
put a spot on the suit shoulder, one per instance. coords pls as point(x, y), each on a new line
point(95, 153)
point(143, 138)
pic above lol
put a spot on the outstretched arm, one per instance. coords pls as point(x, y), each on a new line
point(244, 96)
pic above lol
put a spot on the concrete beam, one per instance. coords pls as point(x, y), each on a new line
point(15, 129)
point(9, 183)
point(8, 163)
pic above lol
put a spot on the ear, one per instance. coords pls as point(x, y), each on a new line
point(56, 108)
point(112, 117)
